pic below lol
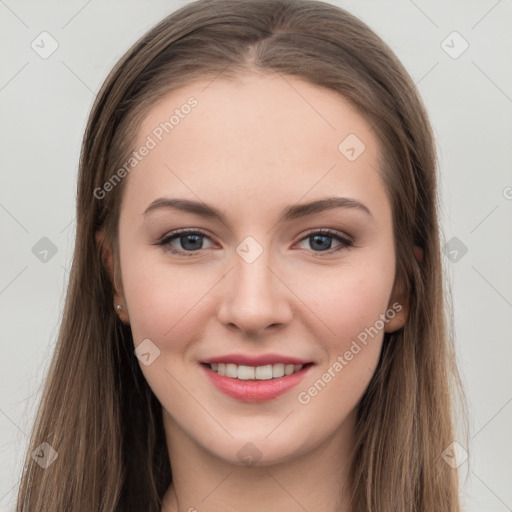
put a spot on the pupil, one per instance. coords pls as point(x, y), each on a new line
point(194, 238)
point(316, 237)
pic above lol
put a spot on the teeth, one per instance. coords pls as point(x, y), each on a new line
point(277, 370)
point(267, 372)
point(263, 372)
point(244, 372)
point(231, 371)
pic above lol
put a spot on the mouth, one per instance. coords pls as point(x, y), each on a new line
point(265, 372)
point(249, 383)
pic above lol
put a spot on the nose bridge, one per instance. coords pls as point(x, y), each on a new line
point(254, 297)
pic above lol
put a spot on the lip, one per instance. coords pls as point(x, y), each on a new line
point(255, 390)
point(262, 360)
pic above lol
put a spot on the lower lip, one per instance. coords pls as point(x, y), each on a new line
point(255, 390)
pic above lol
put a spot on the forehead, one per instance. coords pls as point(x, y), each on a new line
point(266, 108)
point(262, 136)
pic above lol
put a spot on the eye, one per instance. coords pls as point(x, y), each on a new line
point(189, 240)
point(319, 239)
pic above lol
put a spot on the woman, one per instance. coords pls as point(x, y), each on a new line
point(255, 314)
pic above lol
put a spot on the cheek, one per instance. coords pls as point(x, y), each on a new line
point(347, 300)
point(162, 300)
point(352, 310)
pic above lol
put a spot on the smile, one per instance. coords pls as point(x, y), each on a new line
point(266, 372)
point(247, 383)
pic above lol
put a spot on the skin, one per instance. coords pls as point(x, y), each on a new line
point(250, 149)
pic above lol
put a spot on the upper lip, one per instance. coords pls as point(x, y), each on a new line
point(262, 360)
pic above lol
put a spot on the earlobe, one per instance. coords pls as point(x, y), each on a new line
point(398, 309)
point(418, 252)
point(121, 311)
point(397, 316)
point(107, 259)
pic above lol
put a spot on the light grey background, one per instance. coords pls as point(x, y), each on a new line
point(44, 105)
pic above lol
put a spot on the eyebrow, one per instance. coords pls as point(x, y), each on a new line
point(289, 213)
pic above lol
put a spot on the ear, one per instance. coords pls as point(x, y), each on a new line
point(108, 262)
point(398, 305)
point(398, 302)
point(106, 255)
point(418, 252)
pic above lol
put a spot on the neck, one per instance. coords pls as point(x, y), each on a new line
point(202, 482)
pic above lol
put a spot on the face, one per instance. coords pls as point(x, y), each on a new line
point(240, 280)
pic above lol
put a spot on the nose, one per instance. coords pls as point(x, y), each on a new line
point(255, 298)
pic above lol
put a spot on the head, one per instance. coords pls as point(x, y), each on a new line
point(311, 105)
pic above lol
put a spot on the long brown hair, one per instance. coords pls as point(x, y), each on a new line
point(97, 411)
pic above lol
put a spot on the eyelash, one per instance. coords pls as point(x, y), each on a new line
point(345, 243)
